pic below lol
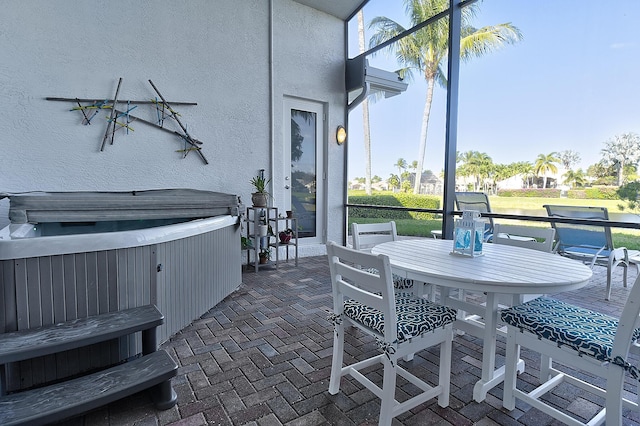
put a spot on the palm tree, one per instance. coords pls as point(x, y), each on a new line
point(425, 50)
point(393, 181)
point(365, 115)
point(401, 164)
point(414, 167)
point(525, 168)
point(575, 178)
point(478, 165)
point(545, 164)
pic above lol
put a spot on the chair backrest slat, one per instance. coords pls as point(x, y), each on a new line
point(374, 290)
point(367, 235)
point(524, 236)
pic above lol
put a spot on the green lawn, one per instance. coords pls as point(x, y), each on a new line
point(629, 238)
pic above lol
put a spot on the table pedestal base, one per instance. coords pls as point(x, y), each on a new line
point(481, 387)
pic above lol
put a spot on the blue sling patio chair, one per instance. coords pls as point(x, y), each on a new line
point(591, 244)
point(476, 201)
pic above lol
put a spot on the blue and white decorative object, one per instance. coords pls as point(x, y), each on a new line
point(468, 234)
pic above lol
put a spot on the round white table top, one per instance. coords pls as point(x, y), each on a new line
point(500, 269)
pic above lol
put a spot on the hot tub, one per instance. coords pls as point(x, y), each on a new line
point(71, 255)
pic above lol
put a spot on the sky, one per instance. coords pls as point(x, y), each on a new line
point(570, 84)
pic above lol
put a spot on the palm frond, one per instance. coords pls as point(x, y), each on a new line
point(487, 39)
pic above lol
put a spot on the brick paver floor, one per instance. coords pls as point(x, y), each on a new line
point(263, 355)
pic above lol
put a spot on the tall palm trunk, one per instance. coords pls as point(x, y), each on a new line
point(423, 133)
point(620, 172)
point(367, 147)
point(365, 115)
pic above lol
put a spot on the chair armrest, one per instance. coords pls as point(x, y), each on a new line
point(621, 253)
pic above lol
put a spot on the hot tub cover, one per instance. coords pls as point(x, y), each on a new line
point(87, 206)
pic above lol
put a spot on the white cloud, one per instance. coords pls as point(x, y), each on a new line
point(621, 45)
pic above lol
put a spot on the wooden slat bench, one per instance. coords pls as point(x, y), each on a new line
point(73, 397)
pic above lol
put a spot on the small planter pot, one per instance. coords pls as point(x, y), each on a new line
point(259, 199)
point(284, 237)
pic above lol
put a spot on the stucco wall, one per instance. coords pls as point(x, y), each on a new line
point(213, 52)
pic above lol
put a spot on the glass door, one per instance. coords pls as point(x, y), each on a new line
point(304, 166)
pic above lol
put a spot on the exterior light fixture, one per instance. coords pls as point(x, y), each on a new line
point(341, 135)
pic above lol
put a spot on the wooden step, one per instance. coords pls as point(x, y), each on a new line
point(74, 397)
point(35, 342)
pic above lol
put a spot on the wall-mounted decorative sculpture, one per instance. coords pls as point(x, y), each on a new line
point(119, 119)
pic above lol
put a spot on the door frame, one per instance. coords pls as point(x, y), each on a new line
point(319, 108)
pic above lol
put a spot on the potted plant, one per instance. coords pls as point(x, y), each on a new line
point(246, 243)
point(259, 197)
point(286, 235)
point(264, 255)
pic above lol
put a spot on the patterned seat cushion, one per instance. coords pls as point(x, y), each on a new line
point(416, 315)
point(588, 332)
point(399, 283)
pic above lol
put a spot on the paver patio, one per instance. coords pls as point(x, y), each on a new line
point(263, 355)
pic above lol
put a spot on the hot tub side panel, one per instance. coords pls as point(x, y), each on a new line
point(195, 274)
point(185, 278)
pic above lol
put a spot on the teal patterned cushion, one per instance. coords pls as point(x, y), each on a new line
point(588, 332)
point(416, 315)
point(399, 282)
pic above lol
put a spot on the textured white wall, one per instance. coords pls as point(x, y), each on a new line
point(213, 52)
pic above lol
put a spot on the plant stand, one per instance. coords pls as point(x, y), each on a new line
point(257, 216)
point(288, 223)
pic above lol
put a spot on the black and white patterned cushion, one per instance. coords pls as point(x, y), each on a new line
point(588, 332)
point(416, 315)
point(399, 283)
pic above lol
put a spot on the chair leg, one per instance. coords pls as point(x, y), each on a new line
point(388, 399)
point(510, 369)
point(336, 364)
point(546, 363)
point(609, 273)
point(444, 373)
point(613, 405)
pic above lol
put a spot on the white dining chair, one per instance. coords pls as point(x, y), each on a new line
point(530, 237)
point(367, 235)
point(579, 339)
point(400, 323)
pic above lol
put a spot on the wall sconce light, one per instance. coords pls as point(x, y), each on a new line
point(341, 135)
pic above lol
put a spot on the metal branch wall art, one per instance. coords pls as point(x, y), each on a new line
point(120, 119)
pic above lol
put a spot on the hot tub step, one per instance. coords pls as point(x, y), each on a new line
point(73, 397)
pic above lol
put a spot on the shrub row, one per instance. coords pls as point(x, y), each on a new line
point(395, 200)
point(530, 192)
point(595, 193)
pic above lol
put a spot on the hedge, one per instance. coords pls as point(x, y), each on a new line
point(602, 193)
point(530, 192)
point(394, 200)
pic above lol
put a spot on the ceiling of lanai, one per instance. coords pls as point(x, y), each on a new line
point(339, 8)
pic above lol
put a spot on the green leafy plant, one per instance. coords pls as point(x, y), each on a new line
point(265, 252)
point(246, 243)
point(260, 184)
point(630, 194)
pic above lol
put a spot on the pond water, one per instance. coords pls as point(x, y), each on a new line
point(615, 216)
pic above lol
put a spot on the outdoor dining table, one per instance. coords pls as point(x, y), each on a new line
point(500, 270)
